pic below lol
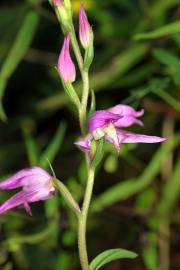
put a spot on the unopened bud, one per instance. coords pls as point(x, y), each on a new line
point(84, 28)
point(65, 65)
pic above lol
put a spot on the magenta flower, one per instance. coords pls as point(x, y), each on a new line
point(65, 64)
point(36, 186)
point(107, 124)
point(84, 28)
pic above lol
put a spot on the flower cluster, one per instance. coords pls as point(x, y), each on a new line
point(37, 184)
point(108, 124)
point(65, 64)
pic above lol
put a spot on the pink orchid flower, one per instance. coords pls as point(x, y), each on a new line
point(108, 124)
point(36, 184)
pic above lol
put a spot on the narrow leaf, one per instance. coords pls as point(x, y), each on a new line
point(127, 188)
point(111, 255)
point(30, 143)
point(54, 146)
point(167, 58)
point(99, 152)
point(168, 29)
point(67, 196)
point(17, 52)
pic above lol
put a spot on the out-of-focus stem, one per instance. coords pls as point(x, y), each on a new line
point(164, 229)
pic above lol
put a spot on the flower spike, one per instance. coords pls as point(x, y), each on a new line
point(65, 64)
point(84, 28)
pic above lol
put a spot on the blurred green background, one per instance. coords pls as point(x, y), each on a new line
point(135, 203)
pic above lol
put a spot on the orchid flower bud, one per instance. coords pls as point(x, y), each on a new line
point(57, 3)
point(84, 28)
point(65, 64)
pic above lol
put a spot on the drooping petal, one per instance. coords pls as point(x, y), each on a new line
point(65, 65)
point(83, 144)
point(84, 28)
point(19, 199)
point(26, 196)
point(111, 136)
point(101, 118)
point(130, 137)
point(122, 109)
point(127, 121)
point(128, 116)
point(15, 180)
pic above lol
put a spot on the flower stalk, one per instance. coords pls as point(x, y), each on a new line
point(83, 221)
point(103, 125)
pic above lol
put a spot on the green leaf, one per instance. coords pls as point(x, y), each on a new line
point(111, 255)
point(167, 58)
point(171, 192)
point(168, 29)
point(17, 52)
point(68, 87)
point(54, 146)
point(99, 152)
point(158, 87)
point(127, 188)
point(30, 143)
point(67, 196)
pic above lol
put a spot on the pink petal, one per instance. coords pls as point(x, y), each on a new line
point(100, 119)
point(83, 144)
point(19, 199)
point(65, 65)
point(15, 181)
point(127, 121)
point(122, 109)
point(22, 198)
point(84, 28)
point(129, 137)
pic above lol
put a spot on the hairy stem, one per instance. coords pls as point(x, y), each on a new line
point(83, 220)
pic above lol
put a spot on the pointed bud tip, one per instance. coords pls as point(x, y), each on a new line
point(57, 3)
point(84, 28)
point(65, 64)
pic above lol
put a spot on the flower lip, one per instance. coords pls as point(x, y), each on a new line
point(84, 144)
point(36, 185)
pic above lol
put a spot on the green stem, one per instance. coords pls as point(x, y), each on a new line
point(85, 94)
point(85, 81)
point(83, 220)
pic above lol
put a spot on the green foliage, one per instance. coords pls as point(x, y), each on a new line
point(17, 52)
point(111, 255)
point(166, 30)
